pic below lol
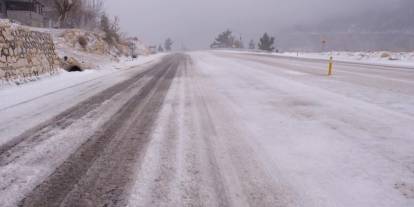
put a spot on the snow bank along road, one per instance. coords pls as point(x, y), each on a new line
point(219, 129)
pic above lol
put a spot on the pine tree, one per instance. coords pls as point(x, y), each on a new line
point(224, 40)
point(252, 45)
point(168, 44)
point(266, 43)
point(160, 49)
point(238, 44)
point(241, 45)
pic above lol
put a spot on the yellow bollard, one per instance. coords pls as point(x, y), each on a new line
point(330, 67)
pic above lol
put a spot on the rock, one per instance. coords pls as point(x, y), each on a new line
point(24, 51)
point(385, 55)
point(22, 62)
point(3, 59)
point(5, 51)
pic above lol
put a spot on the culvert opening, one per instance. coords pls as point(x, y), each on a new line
point(74, 68)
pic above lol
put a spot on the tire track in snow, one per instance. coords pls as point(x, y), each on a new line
point(69, 116)
point(179, 168)
point(98, 173)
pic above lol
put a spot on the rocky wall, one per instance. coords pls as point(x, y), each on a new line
point(94, 42)
point(25, 53)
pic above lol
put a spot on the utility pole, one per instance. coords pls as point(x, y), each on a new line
point(323, 45)
point(240, 37)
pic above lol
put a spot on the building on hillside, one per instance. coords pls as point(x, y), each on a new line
point(27, 12)
point(50, 14)
point(2, 7)
point(152, 49)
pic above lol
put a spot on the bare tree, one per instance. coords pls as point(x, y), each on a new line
point(111, 29)
point(132, 45)
point(63, 9)
point(76, 13)
point(90, 13)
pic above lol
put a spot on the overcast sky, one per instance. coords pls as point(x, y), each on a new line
point(195, 23)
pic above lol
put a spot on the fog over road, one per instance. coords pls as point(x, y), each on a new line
point(216, 128)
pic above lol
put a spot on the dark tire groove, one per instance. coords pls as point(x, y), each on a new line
point(72, 114)
point(99, 172)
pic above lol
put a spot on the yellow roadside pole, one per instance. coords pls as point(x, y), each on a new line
point(330, 67)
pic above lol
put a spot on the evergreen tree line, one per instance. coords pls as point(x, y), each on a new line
point(168, 43)
point(226, 39)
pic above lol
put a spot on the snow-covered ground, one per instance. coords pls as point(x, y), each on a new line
point(379, 57)
point(97, 54)
point(397, 59)
point(29, 104)
point(233, 130)
point(339, 141)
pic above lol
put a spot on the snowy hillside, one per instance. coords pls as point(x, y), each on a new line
point(96, 54)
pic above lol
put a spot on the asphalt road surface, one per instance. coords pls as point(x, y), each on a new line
point(223, 129)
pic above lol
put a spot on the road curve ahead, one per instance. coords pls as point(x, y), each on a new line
point(220, 129)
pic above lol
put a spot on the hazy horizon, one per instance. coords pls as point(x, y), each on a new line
point(195, 23)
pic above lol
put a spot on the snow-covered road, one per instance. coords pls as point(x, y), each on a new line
point(216, 129)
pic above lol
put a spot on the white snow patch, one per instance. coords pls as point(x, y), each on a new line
point(24, 106)
point(386, 58)
point(331, 148)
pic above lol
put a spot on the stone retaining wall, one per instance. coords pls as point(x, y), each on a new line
point(25, 53)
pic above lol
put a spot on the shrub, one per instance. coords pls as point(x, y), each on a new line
point(385, 55)
point(266, 43)
point(111, 30)
point(83, 41)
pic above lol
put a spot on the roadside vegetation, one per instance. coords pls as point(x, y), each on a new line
point(88, 15)
point(226, 39)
